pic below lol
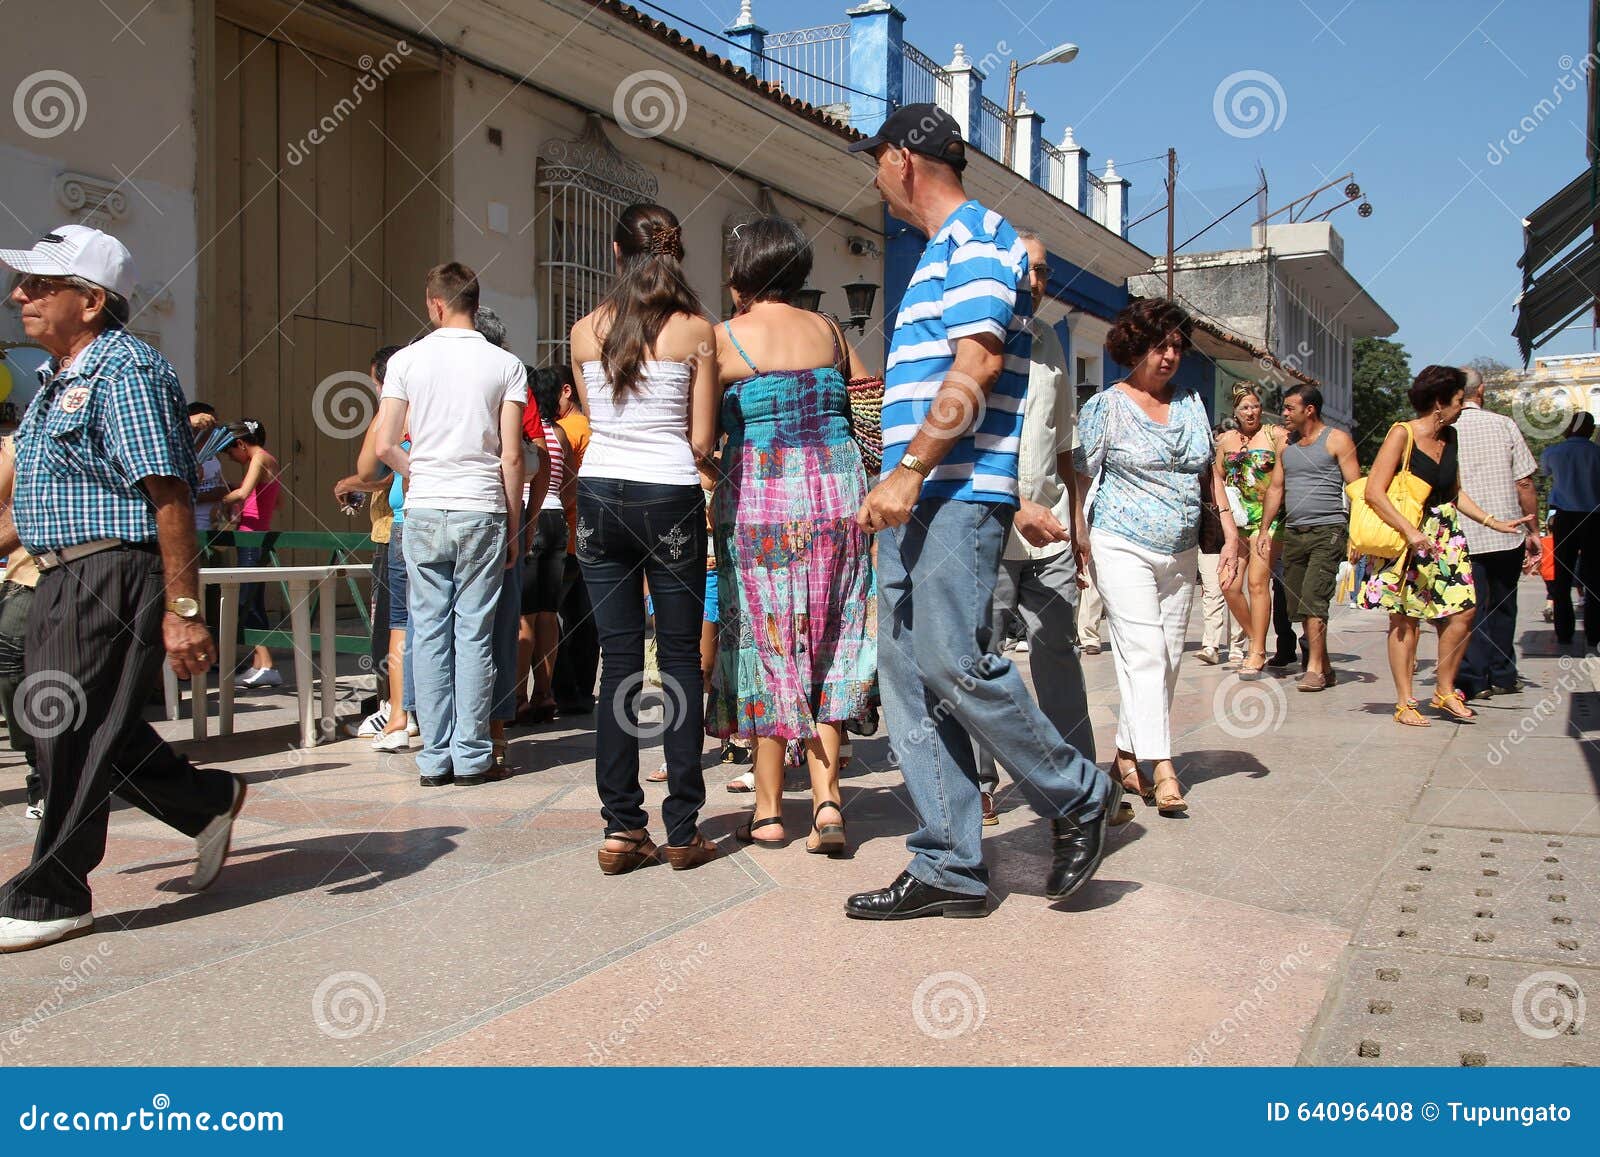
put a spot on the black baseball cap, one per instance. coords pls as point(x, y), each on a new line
point(920, 128)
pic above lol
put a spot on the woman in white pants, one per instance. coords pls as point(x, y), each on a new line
point(1144, 443)
point(1223, 639)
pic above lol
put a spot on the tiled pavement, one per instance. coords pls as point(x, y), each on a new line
point(1324, 901)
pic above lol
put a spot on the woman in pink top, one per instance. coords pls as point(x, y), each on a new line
point(255, 500)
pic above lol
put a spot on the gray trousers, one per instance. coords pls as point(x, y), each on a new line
point(1045, 594)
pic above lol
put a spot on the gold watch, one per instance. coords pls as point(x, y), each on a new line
point(184, 607)
point(913, 463)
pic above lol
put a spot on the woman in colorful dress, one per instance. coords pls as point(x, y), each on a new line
point(1432, 580)
point(1245, 458)
point(797, 654)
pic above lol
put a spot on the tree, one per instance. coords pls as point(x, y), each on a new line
point(1381, 376)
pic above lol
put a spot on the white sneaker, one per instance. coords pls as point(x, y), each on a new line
point(1020, 647)
point(413, 728)
point(20, 935)
point(371, 727)
point(1207, 655)
point(392, 741)
point(35, 811)
point(259, 677)
point(211, 845)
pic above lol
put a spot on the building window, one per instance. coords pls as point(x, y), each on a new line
point(583, 186)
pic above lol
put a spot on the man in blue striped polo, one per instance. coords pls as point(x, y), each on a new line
point(955, 380)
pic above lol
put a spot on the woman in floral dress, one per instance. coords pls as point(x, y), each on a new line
point(796, 652)
point(1245, 458)
point(1432, 580)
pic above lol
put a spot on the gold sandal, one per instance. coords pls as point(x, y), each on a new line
point(1455, 706)
point(1172, 802)
point(1407, 715)
point(1137, 786)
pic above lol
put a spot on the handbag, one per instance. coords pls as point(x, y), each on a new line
point(1241, 516)
point(1212, 540)
point(1370, 534)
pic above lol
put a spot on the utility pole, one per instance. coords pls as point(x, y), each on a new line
point(1172, 185)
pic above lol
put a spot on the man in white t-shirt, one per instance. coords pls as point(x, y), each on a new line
point(461, 400)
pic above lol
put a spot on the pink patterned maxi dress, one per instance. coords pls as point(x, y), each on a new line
point(797, 631)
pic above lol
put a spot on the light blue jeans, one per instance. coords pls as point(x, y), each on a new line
point(454, 565)
point(943, 690)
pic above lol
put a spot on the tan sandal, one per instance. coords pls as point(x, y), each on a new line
point(1455, 706)
point(617, 863)
point(1135, 785)
point(691, 855)
point(1170, 801)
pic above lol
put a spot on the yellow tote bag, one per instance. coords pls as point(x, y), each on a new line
point(1370, 534)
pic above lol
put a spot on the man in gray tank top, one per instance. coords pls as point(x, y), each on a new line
point(1308, 483)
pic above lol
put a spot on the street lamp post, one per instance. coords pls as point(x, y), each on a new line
point(1060, 54)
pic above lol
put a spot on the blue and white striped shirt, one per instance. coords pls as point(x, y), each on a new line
point(972, 280)
point(114, 417)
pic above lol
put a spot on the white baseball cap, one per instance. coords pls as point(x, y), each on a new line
point(77, 251)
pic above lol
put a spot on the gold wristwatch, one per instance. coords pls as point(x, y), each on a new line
point(184, 607)
point(912, 462)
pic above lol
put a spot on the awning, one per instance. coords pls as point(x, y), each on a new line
point(1557, 296)
point(1559, 222)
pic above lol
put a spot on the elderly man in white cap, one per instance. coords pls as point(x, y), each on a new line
point(105, 471)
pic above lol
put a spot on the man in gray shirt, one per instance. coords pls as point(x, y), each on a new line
point(1308, 483)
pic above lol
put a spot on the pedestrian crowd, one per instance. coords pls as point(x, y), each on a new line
point(700, 491)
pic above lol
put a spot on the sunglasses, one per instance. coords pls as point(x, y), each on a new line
point(35, 285)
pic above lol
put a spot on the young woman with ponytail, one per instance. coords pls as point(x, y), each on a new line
point(645, 362)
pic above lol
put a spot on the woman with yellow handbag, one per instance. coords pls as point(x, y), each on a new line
point(1409, 514)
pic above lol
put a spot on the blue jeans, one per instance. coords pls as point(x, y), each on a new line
point(942, 690)
point(399, 602)
point(507, 620)
point(455, 563)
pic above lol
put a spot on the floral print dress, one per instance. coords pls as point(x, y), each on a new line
point(797, 628)
point(1249, 471)
point(1439, 585)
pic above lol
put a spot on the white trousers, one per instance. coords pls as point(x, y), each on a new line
point(1223, 633)
point(1091, 613)
point(1147, 597)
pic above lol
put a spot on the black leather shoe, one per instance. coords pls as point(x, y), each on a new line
point(444, 780)
point(908, 897)
point(1078, 846)
point(1508, 689)
point(490, 774)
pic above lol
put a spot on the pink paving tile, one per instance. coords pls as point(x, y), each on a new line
point(1159, 976)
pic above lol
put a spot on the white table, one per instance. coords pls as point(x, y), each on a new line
point(300, 581)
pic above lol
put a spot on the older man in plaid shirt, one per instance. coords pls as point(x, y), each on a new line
point(104, 476)
point(1497, 469)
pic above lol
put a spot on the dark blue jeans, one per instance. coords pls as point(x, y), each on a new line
point(629, 532)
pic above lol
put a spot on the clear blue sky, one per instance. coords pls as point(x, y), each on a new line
point(1411, 94)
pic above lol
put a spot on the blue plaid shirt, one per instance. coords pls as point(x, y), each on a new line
point(115, 416)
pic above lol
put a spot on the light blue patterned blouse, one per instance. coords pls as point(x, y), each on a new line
point(1148, 489)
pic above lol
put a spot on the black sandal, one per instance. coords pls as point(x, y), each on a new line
point(745, 833)
point(830, 837)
